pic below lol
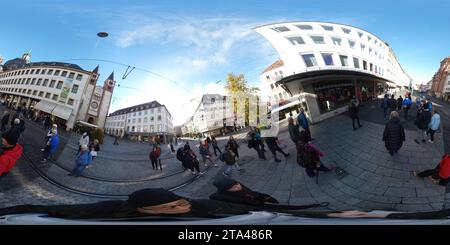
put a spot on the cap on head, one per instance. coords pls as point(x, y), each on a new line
point(55, 126)
point(152, 197)
point(223, 183)
point(17, 121)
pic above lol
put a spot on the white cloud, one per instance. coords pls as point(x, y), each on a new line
point(204, 42)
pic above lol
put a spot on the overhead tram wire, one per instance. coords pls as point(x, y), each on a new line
point(127, 72)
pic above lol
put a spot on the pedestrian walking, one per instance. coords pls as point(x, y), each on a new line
point(16, 129)
point(51, 145)
point(231, 191)
point(423, 121)
point(215, 146)
point(116, 140)
point(206, 155)
point(353, 110)
point(394, 134)
point(407, 102)
point(5, 120)
point(12, 151)
point(230, 161)
point(94, 148)
point(392, 104)
point(272, 143)
point(399, 103)
point(254, 143)
point(385, 105)
point(49, 134)
point(259, 139)
point(234, 146)
point(308, 157)
point(180, 157)
point(433, 126)
point(294, 132)
point(154, 157)
point(84, 140)
point(303, 122)
point(82, 160)
point(208, 142)
point(440, 174)
point(190, 160)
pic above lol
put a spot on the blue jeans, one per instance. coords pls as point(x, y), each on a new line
point(229, 169)
point(78, 170)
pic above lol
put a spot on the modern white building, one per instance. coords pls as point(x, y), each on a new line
point(65, 91)
point(213, 116)
point(326, 64)
point(141, 122)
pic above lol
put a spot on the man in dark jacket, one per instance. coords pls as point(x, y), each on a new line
point(303, 122)
point(353, 111)
point(5, 120)
point(423, 121)
point(399, 103)
point(228, 157)
point(255, 144)
point(274, 147)
point(294, 132)
point(229, 190)
point(16, 129)
point(394, 134)
point(392, 104)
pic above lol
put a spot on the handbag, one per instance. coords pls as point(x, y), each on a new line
point(93, 153)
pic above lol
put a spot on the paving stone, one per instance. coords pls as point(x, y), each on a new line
point(390, 181)
point(400, 192)
point(415, 200)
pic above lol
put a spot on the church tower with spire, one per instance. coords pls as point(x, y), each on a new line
point(108, 89)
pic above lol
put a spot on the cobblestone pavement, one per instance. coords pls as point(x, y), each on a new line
point(369, 178)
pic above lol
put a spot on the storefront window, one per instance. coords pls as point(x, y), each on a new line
point(333, 95)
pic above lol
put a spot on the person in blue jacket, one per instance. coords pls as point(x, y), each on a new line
point(303, 122)
point(407, 106)
point(433, 126)
point(51, 145)
point(83, 159)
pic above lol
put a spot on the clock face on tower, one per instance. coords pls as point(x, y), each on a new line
point(94, 105)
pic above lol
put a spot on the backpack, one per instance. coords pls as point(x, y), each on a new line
point(307, 157)
point(180, 154)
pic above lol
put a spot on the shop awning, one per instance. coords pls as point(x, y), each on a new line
point(45, 106)
point(62, 112)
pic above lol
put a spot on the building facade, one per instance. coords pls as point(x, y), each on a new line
point(212, 116)
point(141, 122)
point(440, 79)
point(327, 64)
point(65, 91)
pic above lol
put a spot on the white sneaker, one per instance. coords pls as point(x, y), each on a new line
point(215, 165)
point(42, 149)
point(432, 142)
point(193, 172)
point(206, 165)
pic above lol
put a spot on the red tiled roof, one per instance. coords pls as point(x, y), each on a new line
point(275, 65)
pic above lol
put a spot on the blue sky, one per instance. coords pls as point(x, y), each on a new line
point(196, 43)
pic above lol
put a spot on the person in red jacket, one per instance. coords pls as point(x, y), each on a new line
point(440, 174)
point(12, 151)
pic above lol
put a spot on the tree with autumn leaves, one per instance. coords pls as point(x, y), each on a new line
point(238, 89)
